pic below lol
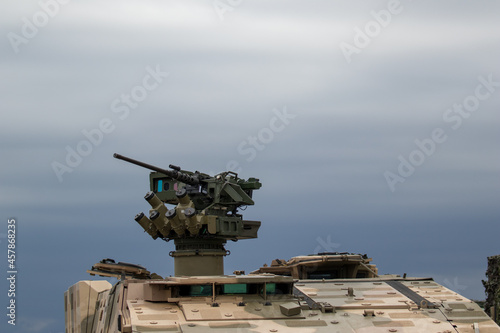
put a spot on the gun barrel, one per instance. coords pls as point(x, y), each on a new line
point(183, 177)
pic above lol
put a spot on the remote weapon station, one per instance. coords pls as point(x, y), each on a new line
point(204, 218)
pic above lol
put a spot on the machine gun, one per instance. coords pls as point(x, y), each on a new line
point(175, 173)
point(205, 215)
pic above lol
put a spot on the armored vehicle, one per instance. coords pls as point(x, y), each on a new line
point(324, 292)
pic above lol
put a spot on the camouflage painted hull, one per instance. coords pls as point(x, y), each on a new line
point(384, 304)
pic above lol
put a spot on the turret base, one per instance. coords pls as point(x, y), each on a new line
point(199, 257)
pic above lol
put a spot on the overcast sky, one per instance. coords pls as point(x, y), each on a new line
point(373, 127)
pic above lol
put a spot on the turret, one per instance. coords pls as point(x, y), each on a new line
point(205, 215)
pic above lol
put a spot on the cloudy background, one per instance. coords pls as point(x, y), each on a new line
point(231, 70)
